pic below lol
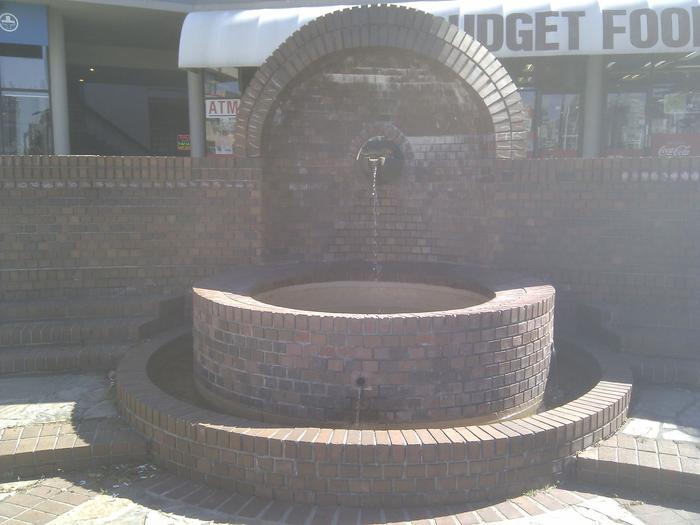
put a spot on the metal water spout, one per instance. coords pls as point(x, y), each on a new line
point(380, 158)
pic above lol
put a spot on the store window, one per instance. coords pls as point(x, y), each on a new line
point(674, 113)
point(558, 125)
point(550, 89)
point(625, 123)
point(128, 111)
point(653, 105)
point(222, 94)
point(223, 88)
point(25, 116)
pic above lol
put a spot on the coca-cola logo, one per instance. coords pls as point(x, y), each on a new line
point(674, 150)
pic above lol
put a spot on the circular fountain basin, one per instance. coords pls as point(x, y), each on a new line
point(371, 297)
point(321, 464)
point(326, 343)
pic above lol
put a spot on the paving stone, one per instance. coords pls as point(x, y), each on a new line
point(547, 501)
point(348, 516)
point(35, 516)
point(489, 514)
point(8, 510)
point(53, 507)
point(24, 500)
point(299, 514)
point(234, 503)
point(529, 505)
point(276, 511)
point(467, 518)
point(254, 507)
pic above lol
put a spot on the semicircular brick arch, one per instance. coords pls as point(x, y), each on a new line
point(385, 26)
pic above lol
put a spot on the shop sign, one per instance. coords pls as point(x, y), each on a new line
point(587, 30)
point(672, 145)
point(508, 28)
point(221, 107)
point(8, 22)
point(183, 142)
point(23, 24)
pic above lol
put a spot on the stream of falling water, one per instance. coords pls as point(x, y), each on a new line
point(375, 212)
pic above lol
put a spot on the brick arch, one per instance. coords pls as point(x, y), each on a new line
point(385, 26)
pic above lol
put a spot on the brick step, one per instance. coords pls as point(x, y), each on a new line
point(55, 308)
point(48, 358)
point(38, 449)
point(81, 307)
point(667, 467)
point(76, 331)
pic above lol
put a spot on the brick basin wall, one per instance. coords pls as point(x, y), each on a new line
point(278, 364)
point(369, 467)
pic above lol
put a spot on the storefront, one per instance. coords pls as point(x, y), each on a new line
point(90, 78)
point(597, 79)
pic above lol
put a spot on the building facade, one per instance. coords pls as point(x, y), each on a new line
point(164, 77)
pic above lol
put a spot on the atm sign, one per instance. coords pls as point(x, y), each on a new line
point(221, 107)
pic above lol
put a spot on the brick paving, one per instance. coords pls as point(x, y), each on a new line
point(43, 448)
point(106, 495)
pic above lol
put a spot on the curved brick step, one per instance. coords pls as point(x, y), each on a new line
point(42, 448)
point(338, 466)
point(47, 358)
point(657, 465)
point(74, 331)
point(86, 307)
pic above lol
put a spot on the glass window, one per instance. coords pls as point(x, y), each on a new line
point(550, 89)
point(25, 123)
point(127, 111)
point(653, 105)
point(624, 120)
point(23, 67)
point(222, 94)
point(529, 98)
point(625, 124)
point(25, 118)
point(675, 117)
point(558, 128)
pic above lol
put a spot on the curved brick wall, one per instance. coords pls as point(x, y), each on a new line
point(397, 28)
point(277, 364)
point(315, 203)
point(415, 466)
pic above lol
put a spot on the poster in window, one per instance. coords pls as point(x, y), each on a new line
point(221, 116)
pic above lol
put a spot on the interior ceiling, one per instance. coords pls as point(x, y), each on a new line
point(121, 26)
point(153, 24)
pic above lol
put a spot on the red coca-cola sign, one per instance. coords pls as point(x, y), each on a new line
point(669, 145)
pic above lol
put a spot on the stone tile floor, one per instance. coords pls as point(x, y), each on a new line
point(660, 412)
point(142, 494)
point(41, 398)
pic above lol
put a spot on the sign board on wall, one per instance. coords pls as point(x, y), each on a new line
point(221, 107)
point(509, 28)
point(183, 142)
point(23, 24)
point(675, 145)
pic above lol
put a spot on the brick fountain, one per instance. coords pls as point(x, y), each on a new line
point(413, 378)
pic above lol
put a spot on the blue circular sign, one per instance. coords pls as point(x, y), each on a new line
point(8, 22)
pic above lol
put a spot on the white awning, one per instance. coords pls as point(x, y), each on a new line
point(238, 38)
